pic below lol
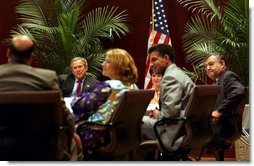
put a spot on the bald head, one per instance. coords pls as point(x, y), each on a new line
point(21, 47)
point(22, 42)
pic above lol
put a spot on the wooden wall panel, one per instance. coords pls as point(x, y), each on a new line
point(7, 21)
point(135, 42)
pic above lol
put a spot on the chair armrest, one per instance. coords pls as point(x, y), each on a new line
point(99, 124)
point(168, 120)
point(63, 127)
point(163, 122)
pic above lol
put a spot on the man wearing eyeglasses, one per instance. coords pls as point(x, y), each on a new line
point(230, 95)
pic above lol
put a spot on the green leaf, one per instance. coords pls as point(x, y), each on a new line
point(61, 31)
point(216, 28)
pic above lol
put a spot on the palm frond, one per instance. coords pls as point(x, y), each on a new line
point(61, 32)
point(206, 7)
point(217, 28)
point(36, 12)
point(69, 24)
point(198, 30)
point(200, 51)
point(198, 27)
point(95, 61)
point(104, 22)
point(198, 74)
point(235, 14)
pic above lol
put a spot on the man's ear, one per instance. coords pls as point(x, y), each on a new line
point(166, 57)
point(30, 59)
point(86, 68)
point(223, 63)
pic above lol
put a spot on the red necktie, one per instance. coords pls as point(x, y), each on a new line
point(79, 87)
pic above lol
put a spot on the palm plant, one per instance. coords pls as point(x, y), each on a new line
point(217, 28)
point(61, 32)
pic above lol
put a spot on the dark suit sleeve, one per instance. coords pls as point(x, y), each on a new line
point(233, 92)
point(89, 84)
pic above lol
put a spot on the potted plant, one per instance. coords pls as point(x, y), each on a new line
point(61, 31)
point(218, 28)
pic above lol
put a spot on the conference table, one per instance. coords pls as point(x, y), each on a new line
point(67, 101)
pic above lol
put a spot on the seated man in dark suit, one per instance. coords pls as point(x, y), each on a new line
point(230, 95)
point(78, 81)
point(18, 75)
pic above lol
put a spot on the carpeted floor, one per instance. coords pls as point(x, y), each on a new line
point(239, 152)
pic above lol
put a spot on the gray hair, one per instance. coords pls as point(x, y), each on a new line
point(220, 57)
point(79, 58)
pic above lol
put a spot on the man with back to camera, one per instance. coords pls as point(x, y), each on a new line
point(18, 75)
point(70, 86)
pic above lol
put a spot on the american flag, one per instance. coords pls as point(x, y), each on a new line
point(159, 35)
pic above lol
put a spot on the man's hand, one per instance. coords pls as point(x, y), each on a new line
point(154, 113)
point(216, 115)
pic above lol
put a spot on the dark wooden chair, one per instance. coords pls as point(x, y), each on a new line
point(31, 126)
point(196, 125)
point(236, 122)
point(237, 117)
point(124, 126)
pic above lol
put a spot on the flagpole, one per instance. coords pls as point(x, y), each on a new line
point(153, 36)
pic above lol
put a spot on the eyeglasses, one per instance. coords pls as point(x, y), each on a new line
point(210, 64)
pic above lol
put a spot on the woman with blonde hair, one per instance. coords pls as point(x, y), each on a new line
point(99, 104)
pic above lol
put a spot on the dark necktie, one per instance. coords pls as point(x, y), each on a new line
point(79, 87)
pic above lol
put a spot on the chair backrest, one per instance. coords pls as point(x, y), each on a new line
point(61, 79)
point(197, 125)
point(237, 117)
point(126, 134)
point(29, 125)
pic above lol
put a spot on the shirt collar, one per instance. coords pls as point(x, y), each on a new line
point(76, 80)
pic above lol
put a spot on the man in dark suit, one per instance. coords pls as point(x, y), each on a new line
point(18, 75)
point(230, 95)
point(70, 87)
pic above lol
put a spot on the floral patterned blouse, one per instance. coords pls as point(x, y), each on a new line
point(97, 106)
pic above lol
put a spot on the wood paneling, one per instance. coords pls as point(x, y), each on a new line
point(135, 42)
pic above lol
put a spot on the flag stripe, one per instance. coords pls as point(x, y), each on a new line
point(160, 35)
point(157, 37)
